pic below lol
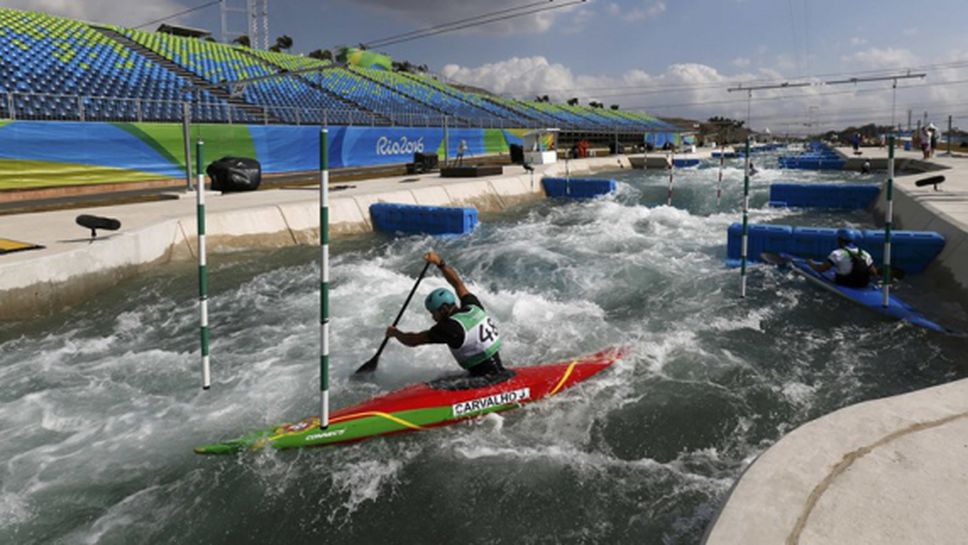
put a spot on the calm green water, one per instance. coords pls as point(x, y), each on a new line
point(100, 406)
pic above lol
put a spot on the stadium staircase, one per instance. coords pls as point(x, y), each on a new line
point(359, 73)
point(254, 112)
point(351, 105)
point(495, 108)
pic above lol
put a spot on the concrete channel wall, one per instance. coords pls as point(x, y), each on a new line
point(72, 267)
point(890, 471)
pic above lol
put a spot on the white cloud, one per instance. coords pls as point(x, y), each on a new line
point(740, 62)
point(643, 10)
point(856, 41)
point(913, 31)
point(118, 12)
point(876, 57)
point(699, 91)
point(577, 23)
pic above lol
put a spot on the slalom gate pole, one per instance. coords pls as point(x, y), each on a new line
point(719, 184)
point(672, 167)
point(888, 220)
point(324, 279)
point(746, 227)
point(202, 264)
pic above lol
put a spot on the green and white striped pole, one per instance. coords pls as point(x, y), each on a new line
point(888, 220)
point(202, 264)
point(324, 279)
point(746, 226)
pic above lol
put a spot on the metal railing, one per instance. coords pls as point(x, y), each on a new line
point(54, 107)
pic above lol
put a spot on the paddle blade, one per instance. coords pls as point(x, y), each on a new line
point(773, 259)
point(369, 366)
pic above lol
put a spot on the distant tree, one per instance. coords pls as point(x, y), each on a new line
point(283, 43)
point(595, 104)
point(719, 120)
point(243, 41)
point(573, 101)
point(409, 67)
point(614, 106)
point(542, 98)
point(322, 54)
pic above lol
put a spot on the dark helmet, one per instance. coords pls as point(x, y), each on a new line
point(846, 235)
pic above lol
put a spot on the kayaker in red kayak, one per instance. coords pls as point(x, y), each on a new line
point(467, 330)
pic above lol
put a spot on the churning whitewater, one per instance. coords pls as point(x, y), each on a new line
point(101, 405)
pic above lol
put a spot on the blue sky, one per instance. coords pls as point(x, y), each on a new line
point(626, 51)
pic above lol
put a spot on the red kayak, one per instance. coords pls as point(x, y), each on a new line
point(426, 405)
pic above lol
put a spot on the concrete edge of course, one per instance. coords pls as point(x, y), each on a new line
point(774, 499)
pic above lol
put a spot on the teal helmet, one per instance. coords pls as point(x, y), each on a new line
point(438, 298)
point(846, 235)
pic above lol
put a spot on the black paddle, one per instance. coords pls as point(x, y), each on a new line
point(370, 365)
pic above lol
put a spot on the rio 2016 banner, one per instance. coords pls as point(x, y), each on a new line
point(52, 153)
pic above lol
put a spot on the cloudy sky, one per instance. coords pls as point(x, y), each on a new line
point(666, 57)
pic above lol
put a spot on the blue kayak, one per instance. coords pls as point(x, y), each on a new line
point(869, 297)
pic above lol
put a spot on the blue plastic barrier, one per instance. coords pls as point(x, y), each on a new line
point(683, 163)
point(820, 157)
point(433, 220)
point(577, 188)
point(911, 251)
point(847, 196)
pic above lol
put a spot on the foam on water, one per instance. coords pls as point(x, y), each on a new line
point(101, 405)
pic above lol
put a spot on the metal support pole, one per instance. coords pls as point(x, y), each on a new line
point(749, 109)
point(893, 103)
point(446, 141)
point(746, 229)
point(949, 136)
point(888, 220)
point(722, 164)
point(186, 138)
point(672, 167)
point(202, 266)
point(324, 279)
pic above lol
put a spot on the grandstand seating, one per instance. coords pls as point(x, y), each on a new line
point(482, 103)
point(57, 68)
point(52, 61)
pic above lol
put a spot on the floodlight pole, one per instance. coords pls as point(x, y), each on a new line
point(186, 136)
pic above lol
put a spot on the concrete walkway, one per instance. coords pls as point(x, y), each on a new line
point(72, 267)
point(892, 471)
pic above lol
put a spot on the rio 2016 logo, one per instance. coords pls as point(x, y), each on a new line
point(403, 146)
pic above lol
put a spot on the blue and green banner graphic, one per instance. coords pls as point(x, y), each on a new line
point(51, 153)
